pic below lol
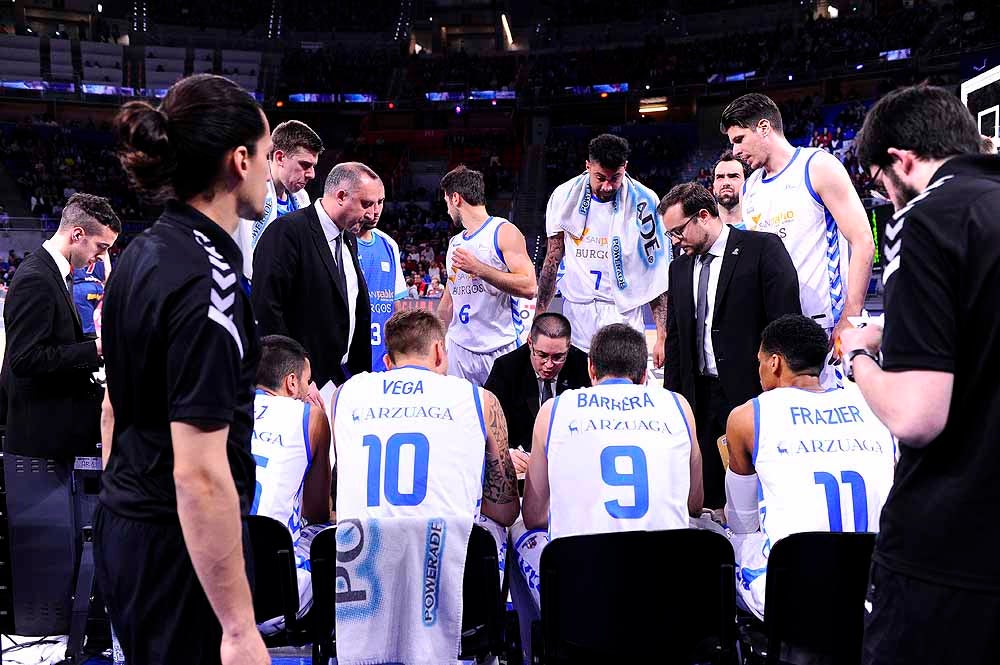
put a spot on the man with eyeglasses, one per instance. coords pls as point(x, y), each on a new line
point(726, 286)
point(529, 376)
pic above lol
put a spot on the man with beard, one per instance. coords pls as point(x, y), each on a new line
point(308, 284)
point(806, 197)
point(934, 592)
point(488, 269)
point(727, 186)
point(378, 255)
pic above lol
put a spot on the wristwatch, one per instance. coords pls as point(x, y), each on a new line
point(849, 365)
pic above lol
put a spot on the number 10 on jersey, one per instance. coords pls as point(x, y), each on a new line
point(393, 447)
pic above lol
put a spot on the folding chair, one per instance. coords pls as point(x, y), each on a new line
point(275, 585)
point(323, 563)
point(639, 596)
point(816, 585)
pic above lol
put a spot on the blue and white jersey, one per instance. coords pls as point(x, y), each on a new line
point(786, 204)
point(280, 447)
point(249, 230)
point(88, 289)
point(483, 319)
point(619, 460)
point(379, 260)
point(824, 462)
point(410, 443)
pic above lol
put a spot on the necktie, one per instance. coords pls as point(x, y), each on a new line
point(69, 283)
point(546, 391)
point(338, 259)
point(701, 310)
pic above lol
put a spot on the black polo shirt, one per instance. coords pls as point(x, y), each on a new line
point(942, 303)
point(180, 345)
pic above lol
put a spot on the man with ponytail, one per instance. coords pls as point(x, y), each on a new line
point(181, 351)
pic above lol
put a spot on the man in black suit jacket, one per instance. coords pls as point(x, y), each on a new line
point(53, 404)
point(545, 366)
point(307, 282)
point(725, 287)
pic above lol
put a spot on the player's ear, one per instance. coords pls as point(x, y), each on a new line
point(388, 362)
point(591, 372)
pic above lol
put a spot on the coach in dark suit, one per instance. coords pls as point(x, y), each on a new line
point(725, 287)
point(307, 282)
point(53, 404)
point(528, 376)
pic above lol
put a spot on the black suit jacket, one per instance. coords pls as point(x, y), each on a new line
point(757, 284)
point(513, 381)
point(53, 404)
point(295, 293)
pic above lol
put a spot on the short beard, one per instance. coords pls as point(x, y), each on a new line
point(728, 201)
point(904, 191)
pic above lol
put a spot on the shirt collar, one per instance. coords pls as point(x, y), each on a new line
point(184, 215)
point(62, 263)
point(987, 165)
point(718, 248)
point(330, 228)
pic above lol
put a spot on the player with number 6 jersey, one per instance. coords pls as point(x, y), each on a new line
point(801, 458)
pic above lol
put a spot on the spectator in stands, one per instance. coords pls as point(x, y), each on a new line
point(411, 289)
point(771, 441)
point(435, 289)
point(729, 175)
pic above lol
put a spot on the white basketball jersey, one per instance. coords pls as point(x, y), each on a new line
point(280, 447)
point(483, 318)
point(587, 272)
point(410, 443)
point(824, 462)
point(786, 204)
point(619, 460)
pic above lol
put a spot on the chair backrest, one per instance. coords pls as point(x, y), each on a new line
point(638, 596)
point(323, 564)
point(816, 585)
point(482, 606)
point(275, 588)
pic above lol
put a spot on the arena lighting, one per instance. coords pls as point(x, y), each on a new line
point(604, 95)
point(458, 110)
point(391, 106)
point(506, 30)
point(659, 108)
point(834, 12)
point(279, 103)
point(493, 102)
point(100, 8)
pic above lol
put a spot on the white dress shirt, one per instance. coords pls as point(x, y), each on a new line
point(718, 249)
point(331, 231)
point(541, 384)
point(65, 269)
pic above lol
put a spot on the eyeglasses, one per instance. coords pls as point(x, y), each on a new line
point(679, 231)
point(878, 189)
point(556, 358)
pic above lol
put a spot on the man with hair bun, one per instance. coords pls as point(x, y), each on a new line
point(181, 349)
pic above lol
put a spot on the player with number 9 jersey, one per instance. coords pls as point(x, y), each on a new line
point(378, 255)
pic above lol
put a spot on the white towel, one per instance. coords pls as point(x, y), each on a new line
point(639, 252)
point(399, 589)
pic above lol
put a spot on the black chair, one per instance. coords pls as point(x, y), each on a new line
point(482, 605)
point(816, 585)
point(275, 585)
point(640, 596)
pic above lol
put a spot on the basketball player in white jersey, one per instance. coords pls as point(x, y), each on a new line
point(801, 458)
point(292, 166)
point(728, 177)
point(587, 281)
point(619, 456)
point(806, 197)
point(488, 269)
point(291, 446)
point(447, 421)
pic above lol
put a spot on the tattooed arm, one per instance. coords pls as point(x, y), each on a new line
point(547, 279)
point(659, 307)
point(500, 500)
point(536, 483)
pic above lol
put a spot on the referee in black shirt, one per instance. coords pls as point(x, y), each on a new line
point(181, 353)
point(934, 593)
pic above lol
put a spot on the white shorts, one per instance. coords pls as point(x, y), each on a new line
point(832, 376)
point(528, 546)
point(499, 534)
point(589, 317)
point(751, 570)
point(304, 574)
point(472, 366)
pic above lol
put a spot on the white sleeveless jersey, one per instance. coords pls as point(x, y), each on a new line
point(249, 230)
point(619, 460)
point(410, 443)
point(483, 318)
point(587, 274)
point(824, 462)
point(280, 447)
point(787, 204)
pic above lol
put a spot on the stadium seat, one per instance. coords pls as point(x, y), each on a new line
point(323, 564)
point(816, 585)
point(275, 586)
point(639, 596)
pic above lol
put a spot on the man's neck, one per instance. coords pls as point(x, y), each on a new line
point(279, 187)
point(366, 236)
point(781, 154)
point(333, 217)
point(420, 362)
point(474, 218)
point(803, 382)
point(221, 209)
point(60, 243)
point(732, 215)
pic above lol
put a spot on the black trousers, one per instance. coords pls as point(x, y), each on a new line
point(911, 621)
point(156, 603)
point(711, 411)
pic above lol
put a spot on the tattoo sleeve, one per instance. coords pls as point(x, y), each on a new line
point(501, 479)
point(659, 307)
point(547, 278)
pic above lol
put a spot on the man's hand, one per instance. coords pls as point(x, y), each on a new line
point(465, 261)
point(835, 336)
point(315, 398)
point(659, 353)
point(246, 648)
point(520, 459)
point(867, 337)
